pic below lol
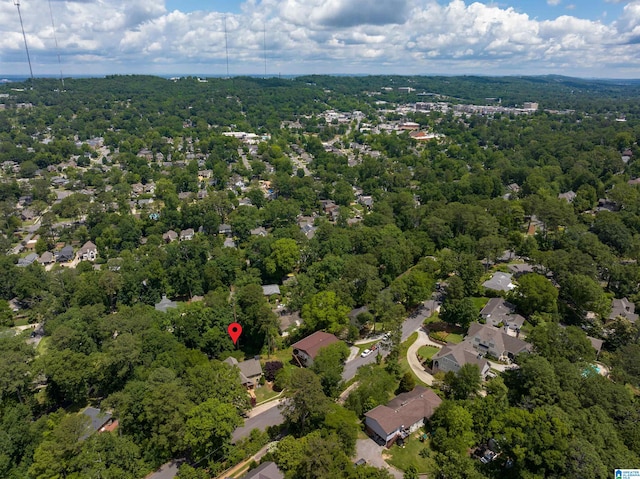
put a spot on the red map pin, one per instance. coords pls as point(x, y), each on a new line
point(234, 330)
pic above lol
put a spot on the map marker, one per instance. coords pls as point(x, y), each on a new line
point(234, 330)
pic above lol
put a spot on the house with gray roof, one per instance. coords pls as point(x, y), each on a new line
point(500, 282)
point(401, 416)
point(266, 470)
point(165, 304)
point(259, 231)
point(499, 312)
point(496, 342)
point(453, 356)
point(623, 308)
point(27, 260)
point(99, 421)
point(250, 371)
point(270, 289)
point(65, 254)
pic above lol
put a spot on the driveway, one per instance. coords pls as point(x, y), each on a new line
point(371, 452)
point(412, 357)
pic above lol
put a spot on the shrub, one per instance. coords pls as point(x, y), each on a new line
point(271, 368)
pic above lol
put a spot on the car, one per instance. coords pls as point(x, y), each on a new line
point(365, 353)
point(386, 336)
point(360, 462)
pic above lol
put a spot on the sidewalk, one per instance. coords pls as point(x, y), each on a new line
point(265, 406)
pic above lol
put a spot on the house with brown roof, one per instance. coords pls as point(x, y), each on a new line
point(402, 415)
point(306, 350)
point(88, 252)
point(170, 236)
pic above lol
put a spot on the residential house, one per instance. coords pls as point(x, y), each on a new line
point(224, 229)
point(259, 231)
point(518, 269)
point(100, 421)
point(164, 304)
point(401, 416)
point(624, 308)
point(27, 260)
point(496, 342)
point(65, 254)
point(266, 470)
point(453, 356)
point(170, 236)
point(229, 243)
point(187, 235)
point(500, 282)
point(270, 290)
point(569, 196)
point(366, 201)
point(88, 252)
point(499, 312)
point(250, 371)
point(27, 214)
point(46, 258)
point(306, 350)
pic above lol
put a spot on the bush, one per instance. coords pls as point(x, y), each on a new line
point(439, 336)
point(271, 368)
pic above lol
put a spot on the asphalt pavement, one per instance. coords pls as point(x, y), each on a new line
point(269, 416)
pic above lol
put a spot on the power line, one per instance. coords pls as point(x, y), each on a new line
point(55, 39)
point(24, 36)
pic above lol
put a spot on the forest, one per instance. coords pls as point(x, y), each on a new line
point(341, 217)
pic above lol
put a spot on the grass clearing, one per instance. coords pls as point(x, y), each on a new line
point(403, 457)
point(264, 393)
point(425, 352)
point(43, 345)
point(480, 302)
point(453, 338)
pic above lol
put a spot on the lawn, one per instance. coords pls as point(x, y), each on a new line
point(453, 338)
point(480, 303)
point(403, 457)
point(264, 393)
point(425, 352)
point(43, 345)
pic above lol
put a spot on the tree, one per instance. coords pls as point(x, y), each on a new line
point(453, 428)
point(535, 294)
point(54, 457)
point(306, 402)
point(329, 364)
point(325, 311)
point(285, 255)
point(466, 382)
point(407, 383)
point(209, 427)
point(459, 312)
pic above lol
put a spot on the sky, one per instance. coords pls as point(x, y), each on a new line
point(582, 38)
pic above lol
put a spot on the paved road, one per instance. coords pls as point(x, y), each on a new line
point(167, 471)
point(269, 416)
point(409, 326)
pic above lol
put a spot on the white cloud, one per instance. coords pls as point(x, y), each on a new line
point(554, 3)
point(395, 36)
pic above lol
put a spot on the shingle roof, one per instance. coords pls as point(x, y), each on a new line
point(312, 343)
point(405, 409)
point(266, 470)
point(499, 282)
point(270, 289)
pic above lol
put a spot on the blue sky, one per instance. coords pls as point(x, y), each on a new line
point(586, 38)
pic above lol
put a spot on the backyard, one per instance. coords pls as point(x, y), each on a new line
point(403, 457)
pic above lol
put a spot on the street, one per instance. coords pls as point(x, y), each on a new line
point(269, 417)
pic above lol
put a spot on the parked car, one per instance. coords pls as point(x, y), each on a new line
point(365, 353)
point(360, 462)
